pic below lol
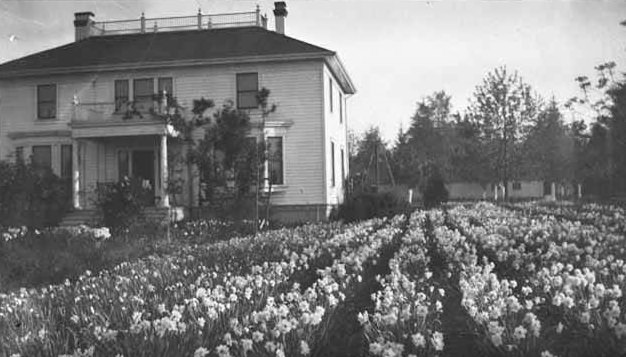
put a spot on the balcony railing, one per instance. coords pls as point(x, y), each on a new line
point(109, 111)
point(178, 23)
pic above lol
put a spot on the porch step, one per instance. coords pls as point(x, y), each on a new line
point(78, 217)
point(90, 216)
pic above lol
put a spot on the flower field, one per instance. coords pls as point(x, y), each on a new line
point(474, 279)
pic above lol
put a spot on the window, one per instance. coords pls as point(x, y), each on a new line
point(343, 168)
point(66, 161)
point(122, 165)
point(275, 160)
point(517, 186)
point(330, 93)
point(247, 89)
point(166, 84)
point(19, 154)
point(143, 90)
point(121, 94)
point(47, 101)
point(42, 156)
point(332, 163)
point(340, 108)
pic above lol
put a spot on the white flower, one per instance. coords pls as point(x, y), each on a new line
point(257, 336)
point(547, 354)
point(437, 341)
point(559, 328)
point(519, 333)
point(201, 352)
point(418, 340)
point(304, 348)
point(246, 344)
point(363, 317)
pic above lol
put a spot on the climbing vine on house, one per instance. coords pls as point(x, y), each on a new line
point(230, 163)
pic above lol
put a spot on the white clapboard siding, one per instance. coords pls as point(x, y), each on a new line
point(334, 131)
point(296, 88)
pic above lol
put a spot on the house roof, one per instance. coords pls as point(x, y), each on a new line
point(169, 48)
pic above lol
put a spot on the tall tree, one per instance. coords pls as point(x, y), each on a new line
point(427, 140)
point(605, 102)
point(549, 149)
point(504, 107)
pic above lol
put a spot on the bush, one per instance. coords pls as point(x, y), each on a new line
point(366, 205)
point(31, 196)
point(121, 204)
point(433, 188)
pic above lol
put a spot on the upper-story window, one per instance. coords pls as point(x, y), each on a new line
point(122, 94)
point(166, 84)
point(143, 94)
point(330, 93)
point(340, 108)
point(247, 89)
point(47, 101)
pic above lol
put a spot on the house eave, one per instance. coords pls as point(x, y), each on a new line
point(163, 64)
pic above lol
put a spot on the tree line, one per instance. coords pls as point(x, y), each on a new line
point(508, 133)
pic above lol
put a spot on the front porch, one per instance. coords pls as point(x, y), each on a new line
point(102, 160)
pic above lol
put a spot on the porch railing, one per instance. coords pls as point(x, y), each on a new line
point(178, 23)
point(110, 111)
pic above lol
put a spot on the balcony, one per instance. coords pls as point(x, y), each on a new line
point(179, 23)
point(101, 119)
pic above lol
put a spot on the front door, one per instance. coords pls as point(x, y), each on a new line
point(143, 167)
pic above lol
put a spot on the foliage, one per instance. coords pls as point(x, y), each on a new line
point(364, 205)
point(549, 149)
point(504, 108)
point(602, 164)
point(428, 139)
point(31, 196)
point(433, 187)
point(122, 203)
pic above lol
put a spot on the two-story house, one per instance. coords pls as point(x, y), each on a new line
point(65, 107)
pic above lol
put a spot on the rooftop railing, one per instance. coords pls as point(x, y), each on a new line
point(179, 23)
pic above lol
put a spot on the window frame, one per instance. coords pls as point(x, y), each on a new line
point(116, 97)
point(150, 96)
point(159, 86)
point(52, 102)
point(343, 165)
point(340, 108)
point(38, 164)
point(239, 92)
point(332, 164)
point(330, 93)
point(65, 169)
point(516, 186)
point(269, 161)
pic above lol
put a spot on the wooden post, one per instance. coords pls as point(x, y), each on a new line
point(165, 200)
point(199, 19)
point(75, 175)
point(143, 23)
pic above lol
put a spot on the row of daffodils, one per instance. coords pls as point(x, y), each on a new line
point(538, 285)
point(532, 284)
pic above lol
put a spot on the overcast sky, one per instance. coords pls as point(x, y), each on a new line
point(395, 51)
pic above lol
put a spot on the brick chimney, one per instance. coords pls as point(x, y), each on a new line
point(83, 25)
point(280, 13)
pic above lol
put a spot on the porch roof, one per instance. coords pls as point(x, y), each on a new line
point(102, 129)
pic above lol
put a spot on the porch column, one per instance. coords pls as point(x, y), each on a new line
point(75, 175)
point(165, 200)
